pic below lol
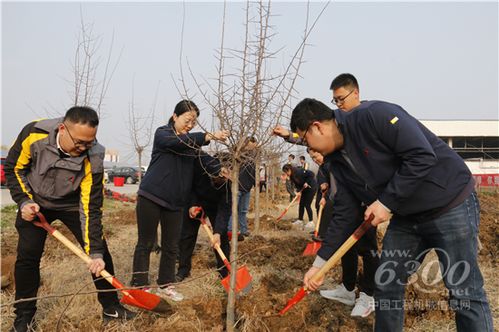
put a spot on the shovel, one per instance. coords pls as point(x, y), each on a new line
point(134, 297)
point(287, 208)
point(243, 277)
point(359, 232)
point(314, 246)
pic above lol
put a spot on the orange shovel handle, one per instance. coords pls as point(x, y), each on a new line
point(331, 262)
point(202, 219)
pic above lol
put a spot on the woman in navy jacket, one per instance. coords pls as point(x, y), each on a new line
point(303, 180)
point(164, 192)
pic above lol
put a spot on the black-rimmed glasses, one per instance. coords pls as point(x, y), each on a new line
point(340, 100)
point(80, 144)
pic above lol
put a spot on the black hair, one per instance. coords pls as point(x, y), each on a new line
point(292, 156)
point(286, 168)
point(344, 80)
point(307, 111)
point(182, 107)
point(302, 157)
point(82, 115)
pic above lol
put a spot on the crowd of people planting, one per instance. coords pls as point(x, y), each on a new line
point(376, 164)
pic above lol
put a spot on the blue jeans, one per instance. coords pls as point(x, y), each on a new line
point(454, 238)
point(243, 200)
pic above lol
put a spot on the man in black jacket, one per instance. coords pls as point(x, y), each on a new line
point(210, 191)
point(383, 157)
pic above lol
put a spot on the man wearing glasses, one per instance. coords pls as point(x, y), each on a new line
point(382, 156)
point(345, 92)
point(56, 166)
point(346, 97)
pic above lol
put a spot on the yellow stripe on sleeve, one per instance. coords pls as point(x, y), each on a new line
point(25, 157)
point(86, 188)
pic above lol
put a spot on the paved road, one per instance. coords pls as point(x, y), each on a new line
point(125, 189)
point(6, 199)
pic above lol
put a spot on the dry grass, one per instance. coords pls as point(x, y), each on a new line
point(273, 258)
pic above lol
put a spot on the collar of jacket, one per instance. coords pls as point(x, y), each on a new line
point(50, 126)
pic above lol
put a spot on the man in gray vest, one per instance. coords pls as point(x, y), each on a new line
point(56, 167)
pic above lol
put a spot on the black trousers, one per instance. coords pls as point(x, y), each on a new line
point(29, 252)
point(307, 196)
point(366, 248)
point(190, 229)
point(149, 215)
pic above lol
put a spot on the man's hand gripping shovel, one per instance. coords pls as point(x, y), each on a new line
point(243, 277)
point(357, 234)
point(134, 297)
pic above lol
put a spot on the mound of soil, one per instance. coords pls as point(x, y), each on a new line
point(280, 253)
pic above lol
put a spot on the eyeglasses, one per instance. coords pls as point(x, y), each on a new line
point(80, 144)
point(303, 139)
point(340, 100)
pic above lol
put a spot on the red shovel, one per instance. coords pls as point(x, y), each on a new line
point(298, 195)
point(314, 246)
point(243, 277)
point(134, 297)
point(359, 232)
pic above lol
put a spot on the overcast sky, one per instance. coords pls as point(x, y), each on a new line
point(437, 60)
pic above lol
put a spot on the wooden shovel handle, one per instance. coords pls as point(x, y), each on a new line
point(319, 217)
point(331, 262)
point(76, 250)
point(210, 233)
point(289, 205)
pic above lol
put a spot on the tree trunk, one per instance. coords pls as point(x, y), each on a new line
point(231, 302)
point(272, 174)
point(140, 166)
point(266, 191)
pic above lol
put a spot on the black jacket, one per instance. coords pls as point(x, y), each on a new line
point(210, 191)
point(300, 176)
point(168, 180)
point(390, 156)
point(247, 175)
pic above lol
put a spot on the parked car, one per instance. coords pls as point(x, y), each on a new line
point(131, 174)
point(3, 180)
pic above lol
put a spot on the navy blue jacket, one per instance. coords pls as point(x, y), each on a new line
point(209, 193)
point(247, 175)
point(300, 176)
point(390, 156)
point(168, 180)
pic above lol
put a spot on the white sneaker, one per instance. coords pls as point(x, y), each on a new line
point(310, 226)
point(364, 305)
point(298, 222)
point(168, 293)
point(340, 294)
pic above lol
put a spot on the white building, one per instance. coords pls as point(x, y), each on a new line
point(476, 141)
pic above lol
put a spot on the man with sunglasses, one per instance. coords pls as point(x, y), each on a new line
point(56, 167)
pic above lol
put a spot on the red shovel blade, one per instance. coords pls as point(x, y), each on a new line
point(243, 280)
point(142, 299)
point(312, 248)
point(294, 300)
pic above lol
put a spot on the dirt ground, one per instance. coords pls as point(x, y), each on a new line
point(274, 259)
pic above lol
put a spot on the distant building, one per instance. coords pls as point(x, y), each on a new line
point(112, 156)
point(476, 141)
